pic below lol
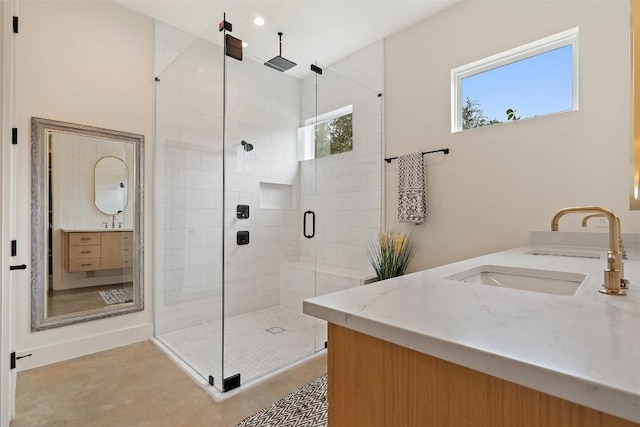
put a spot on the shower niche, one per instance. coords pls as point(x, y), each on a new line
point(277, 196)
point(217, 299)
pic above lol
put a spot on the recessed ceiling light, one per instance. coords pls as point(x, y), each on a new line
point(258, 20)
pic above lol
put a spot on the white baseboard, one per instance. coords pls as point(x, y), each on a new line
point(71, 349)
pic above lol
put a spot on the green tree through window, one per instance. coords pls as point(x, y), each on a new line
point(334, 136)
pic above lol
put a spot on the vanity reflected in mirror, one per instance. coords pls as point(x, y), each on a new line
point(86, 214)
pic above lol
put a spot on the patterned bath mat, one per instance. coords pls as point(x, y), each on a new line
point(117, 296)
point(305, 407)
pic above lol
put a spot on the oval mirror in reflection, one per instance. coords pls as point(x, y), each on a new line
point(111, 185)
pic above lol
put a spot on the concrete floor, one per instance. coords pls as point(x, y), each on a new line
point(139, 386)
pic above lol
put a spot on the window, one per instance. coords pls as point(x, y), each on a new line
point(533, 80)
point(328, 134)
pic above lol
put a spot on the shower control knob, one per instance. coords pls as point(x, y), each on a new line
point(242, 237)
point(242, 211)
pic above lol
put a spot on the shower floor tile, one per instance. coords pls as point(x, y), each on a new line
point(256, 343)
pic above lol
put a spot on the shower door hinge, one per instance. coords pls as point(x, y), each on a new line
point(225, 25)
point(15, 25)
point(316, 69)
point(14, 136)
point(14, 248)
point(231, 382)
point(210, 379)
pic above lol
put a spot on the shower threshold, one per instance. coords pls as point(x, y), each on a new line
point(259, 345)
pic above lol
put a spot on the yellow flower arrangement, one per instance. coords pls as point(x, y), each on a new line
point(390, 254)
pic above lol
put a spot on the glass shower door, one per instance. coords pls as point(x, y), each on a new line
point(267, 190)
point(348, 150)
point(188, 271)
point(269, 265)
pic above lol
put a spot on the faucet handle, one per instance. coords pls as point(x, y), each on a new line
point(105, 224)
point(611, 261)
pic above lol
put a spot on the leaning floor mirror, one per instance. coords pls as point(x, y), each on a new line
point(87, 223)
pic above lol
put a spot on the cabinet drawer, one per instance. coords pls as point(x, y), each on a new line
point(76, 239)
point(127, 262)
point(127, 249)
point(88, 264)
point(85, 251)
point(127, 237)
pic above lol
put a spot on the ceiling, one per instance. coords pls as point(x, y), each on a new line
point(322, 31)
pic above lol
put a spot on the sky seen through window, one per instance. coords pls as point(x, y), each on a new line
point(534, 86)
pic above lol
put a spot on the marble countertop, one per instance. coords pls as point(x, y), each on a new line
point(584, 348)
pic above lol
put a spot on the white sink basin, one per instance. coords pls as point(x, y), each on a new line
point(564, 252)
point(525, 279)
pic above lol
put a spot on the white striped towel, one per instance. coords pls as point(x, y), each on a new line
point(412, 195)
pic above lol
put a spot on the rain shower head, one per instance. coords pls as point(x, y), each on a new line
point(279, 62)
point(247, 146)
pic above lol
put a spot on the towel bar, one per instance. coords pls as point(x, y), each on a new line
point(442, 150)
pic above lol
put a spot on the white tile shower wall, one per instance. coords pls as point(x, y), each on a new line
point(263, 109)
point(188, 181)
point(345, 190)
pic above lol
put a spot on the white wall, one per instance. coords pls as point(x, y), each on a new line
point(88, 63)
point(501, 182)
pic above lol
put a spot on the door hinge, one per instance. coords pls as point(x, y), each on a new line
point(14, 359)
point(14, 248)
point(15, 24)
point(14, 136)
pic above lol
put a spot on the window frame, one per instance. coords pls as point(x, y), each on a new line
point(538, 47)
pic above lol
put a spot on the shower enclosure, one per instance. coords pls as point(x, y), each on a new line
point(267, 191)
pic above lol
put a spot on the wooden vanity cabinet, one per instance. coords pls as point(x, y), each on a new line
point(376, 383)
point(94, 251)
point(116, 250)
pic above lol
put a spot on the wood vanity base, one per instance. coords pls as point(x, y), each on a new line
point(376, 383)
point(96, 251)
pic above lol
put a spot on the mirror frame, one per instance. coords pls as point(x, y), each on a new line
point(40, 224)
point(634, 193)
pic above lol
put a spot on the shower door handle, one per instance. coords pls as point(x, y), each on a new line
point(313, 225)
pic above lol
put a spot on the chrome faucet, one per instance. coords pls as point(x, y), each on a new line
point(613, 281)
point(599, 215)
